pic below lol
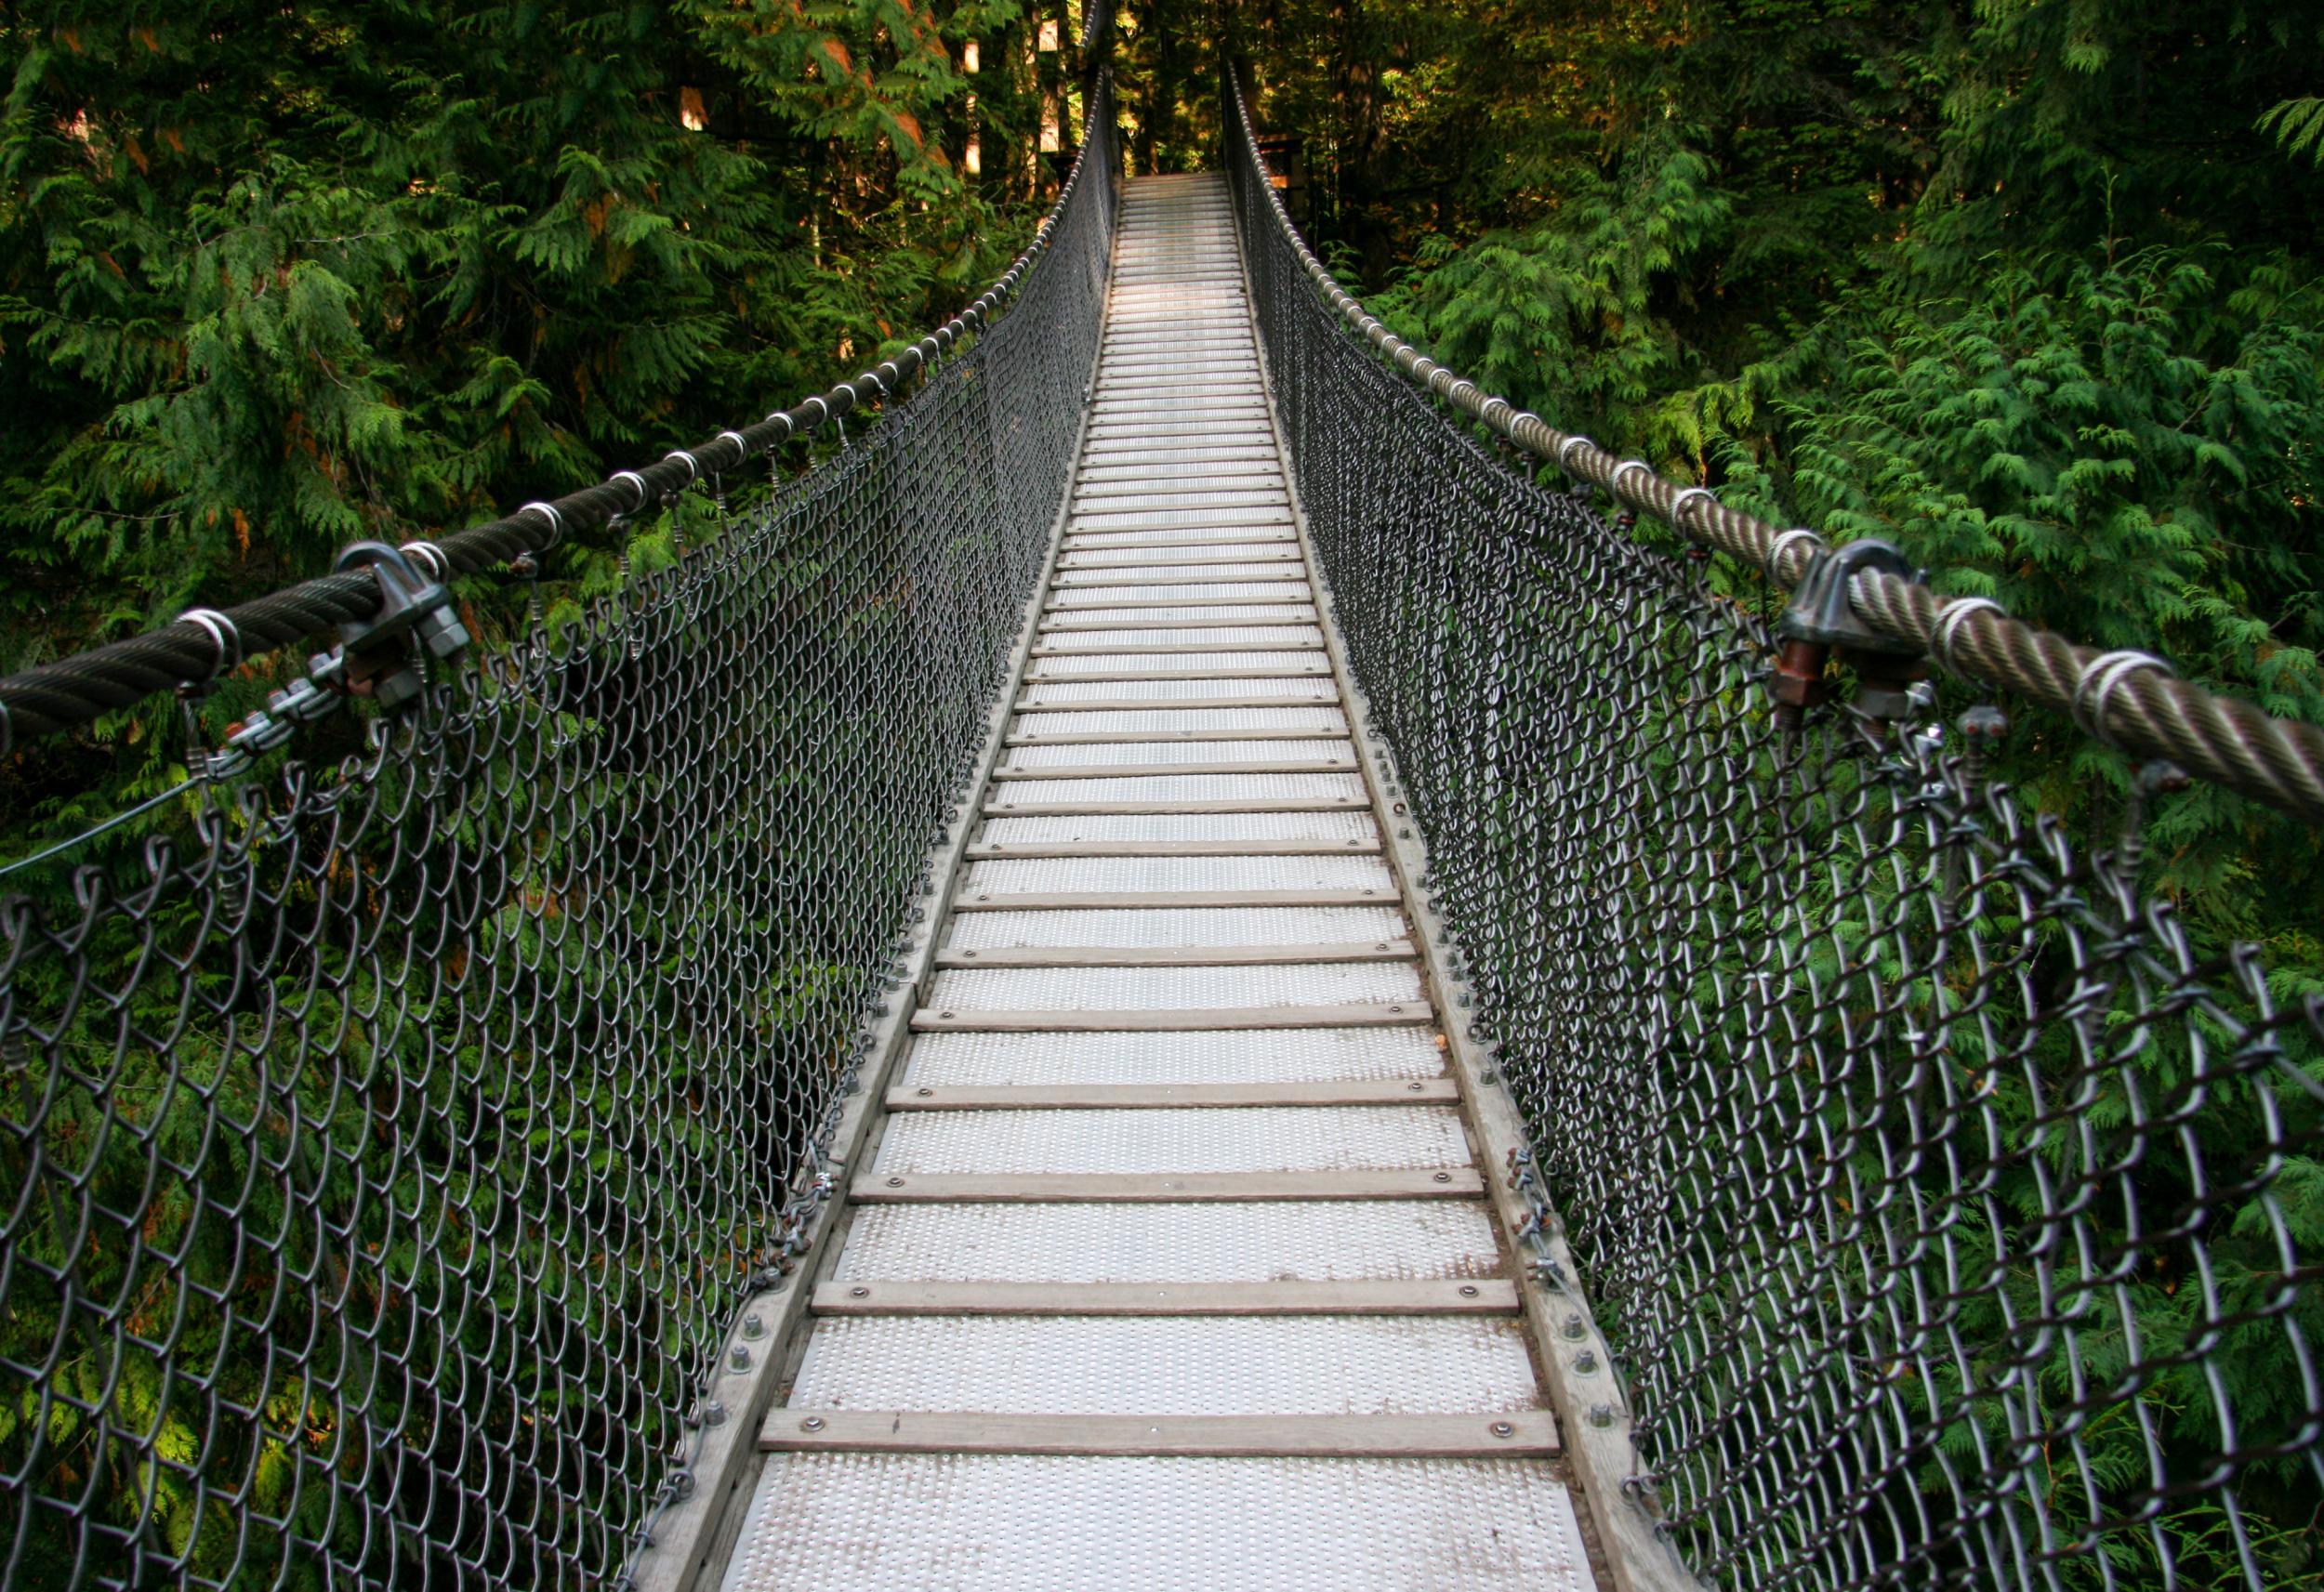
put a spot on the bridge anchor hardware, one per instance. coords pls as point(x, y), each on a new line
point(1818, 621)
point(380, 657)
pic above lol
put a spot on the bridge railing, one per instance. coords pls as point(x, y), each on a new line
point(1954, 1217)
point(392, 1128)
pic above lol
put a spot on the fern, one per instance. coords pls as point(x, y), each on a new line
point(2298, 125)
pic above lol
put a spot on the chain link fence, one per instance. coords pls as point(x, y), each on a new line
point(1956, 1220)
point(389, 1137)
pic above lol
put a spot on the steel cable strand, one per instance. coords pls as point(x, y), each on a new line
point(2233, 743)
point(53, 697)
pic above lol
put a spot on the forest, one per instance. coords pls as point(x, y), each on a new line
point(2028, 287)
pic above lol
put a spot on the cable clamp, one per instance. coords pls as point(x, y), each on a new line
point(1946, 635)
point(223, 634)
point(556, 523)
point(634, 480)
point(379, 656)
point(2107, 671)
point(1686, 500)
point(1773, 563)
point(1819, 620)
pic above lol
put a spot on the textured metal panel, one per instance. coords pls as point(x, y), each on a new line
point(1315, 1055)
point(1125, 455)
point(1271, 551)
point(1337, 1241)
point(1179, 751)
point(1181, 663)
point(1223, 637)
point(1157, 927)
point(1328, 826)
point(1173, 989)
point(1155, 593)
point(1186, 787)
point(1066, 620)
point(1170, 721)
point(1169, 1365)
point(1051, 875)
point(1248, 1138)
point(1075, 596)
point(1050, 691)
point(1024, 1523)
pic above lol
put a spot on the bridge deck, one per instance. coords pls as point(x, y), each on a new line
point(1172, 1267)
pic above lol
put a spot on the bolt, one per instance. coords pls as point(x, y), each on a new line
point(943, 1014)
point(753, 1326)
point(1444, 1176)
point(740, 1358)
point(1416, 1087)
point(1488, 1078)
point(859, 1293)
point(1586, 1362)
point(1601, 1414)
point(714, 1413)
point(895, 1182)
point(1467, 1290)
point(1572, 1326)
point(1503, 1428)
point(924, 1093)
point(811, 1424)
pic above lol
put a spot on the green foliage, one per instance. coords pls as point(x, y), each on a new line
point(272, 279)
point(2298, 125)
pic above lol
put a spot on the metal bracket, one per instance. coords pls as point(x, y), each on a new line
point(378, 656)
point(1819, 621)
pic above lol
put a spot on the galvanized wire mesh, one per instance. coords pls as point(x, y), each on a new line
point(1956, 1222)
point(387, 1147)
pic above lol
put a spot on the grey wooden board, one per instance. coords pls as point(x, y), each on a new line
point(1486, 1296)
point(1107, 1188)
point(1500, 1435)
point(1160, 1096)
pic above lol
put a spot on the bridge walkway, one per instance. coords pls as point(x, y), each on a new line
point(1172, 1266)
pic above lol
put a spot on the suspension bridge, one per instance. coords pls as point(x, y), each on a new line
point(1204, 959)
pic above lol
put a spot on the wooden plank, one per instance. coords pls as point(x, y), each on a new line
point(1172, 704)
point(1112, 623)
point(1081, 564)
point(1168, 809)
point(989, 849)
point(1392, 950)
point(1198, 649)
point(1169, 1097)
point(1163, 1187)
point(1125, 676)
point(1159, 737)
point(1514, 1434)
point(1107, 605)
point(1172, 1019)
point(1149, 540)
point(1461, 1297)
point(1121, 577)
point(1165, 770)
point(1135, 901)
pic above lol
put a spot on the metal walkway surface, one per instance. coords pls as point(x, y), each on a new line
point(1172, 1266)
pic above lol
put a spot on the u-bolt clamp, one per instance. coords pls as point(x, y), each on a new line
point(380, 653)
point(1819, 622)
